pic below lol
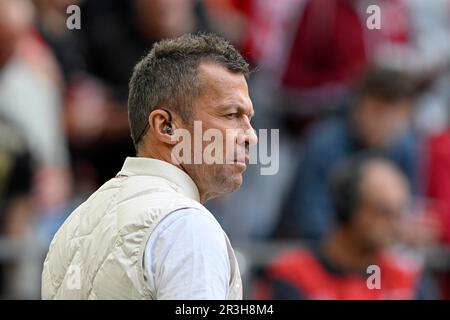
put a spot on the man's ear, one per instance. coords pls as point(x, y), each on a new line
point(162, 126)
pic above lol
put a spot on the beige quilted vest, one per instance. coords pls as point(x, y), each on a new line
point(98, 251)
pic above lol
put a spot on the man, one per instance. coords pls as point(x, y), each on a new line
point(145, 234)
point(370, 197)
point(378, 120)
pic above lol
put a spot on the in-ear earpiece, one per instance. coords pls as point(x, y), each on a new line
point(168, 129)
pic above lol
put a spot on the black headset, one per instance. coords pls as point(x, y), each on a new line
point(167, 127)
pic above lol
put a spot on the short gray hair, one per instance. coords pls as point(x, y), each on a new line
point(168, 75)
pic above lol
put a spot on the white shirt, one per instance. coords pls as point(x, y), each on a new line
point(186, 257)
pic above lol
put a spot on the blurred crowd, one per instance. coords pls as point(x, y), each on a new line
point(363, 114)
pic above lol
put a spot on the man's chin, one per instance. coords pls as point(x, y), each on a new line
point(237, 181)
point(233, 182)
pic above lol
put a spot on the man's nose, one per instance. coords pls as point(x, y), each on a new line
point(250, 133)
point(251, 137)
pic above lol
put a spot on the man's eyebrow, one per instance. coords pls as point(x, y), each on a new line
point(250, 115)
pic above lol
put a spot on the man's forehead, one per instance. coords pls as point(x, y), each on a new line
point(224, 87)
point(216, 75)
point(383, 177)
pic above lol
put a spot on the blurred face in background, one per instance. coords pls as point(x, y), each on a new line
point(15, 20)
point(378, 122)
point(164, 18)
point(384, 198)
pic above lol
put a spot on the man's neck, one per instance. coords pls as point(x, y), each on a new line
point(154, 154)
point(346, 252)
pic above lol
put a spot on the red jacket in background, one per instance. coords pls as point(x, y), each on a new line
point(400, 277)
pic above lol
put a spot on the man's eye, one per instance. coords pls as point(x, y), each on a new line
point(231, 115)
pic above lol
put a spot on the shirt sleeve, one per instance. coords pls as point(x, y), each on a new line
point(186, 257)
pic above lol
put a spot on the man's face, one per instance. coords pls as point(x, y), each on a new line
point(379, 122)
point(224, 105)
point(384, 200)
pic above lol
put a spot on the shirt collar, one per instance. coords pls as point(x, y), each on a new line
point(138, 166)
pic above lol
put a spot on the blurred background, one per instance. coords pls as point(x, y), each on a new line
point(335, 89)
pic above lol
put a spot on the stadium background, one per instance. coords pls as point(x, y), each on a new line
point(64, 129)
